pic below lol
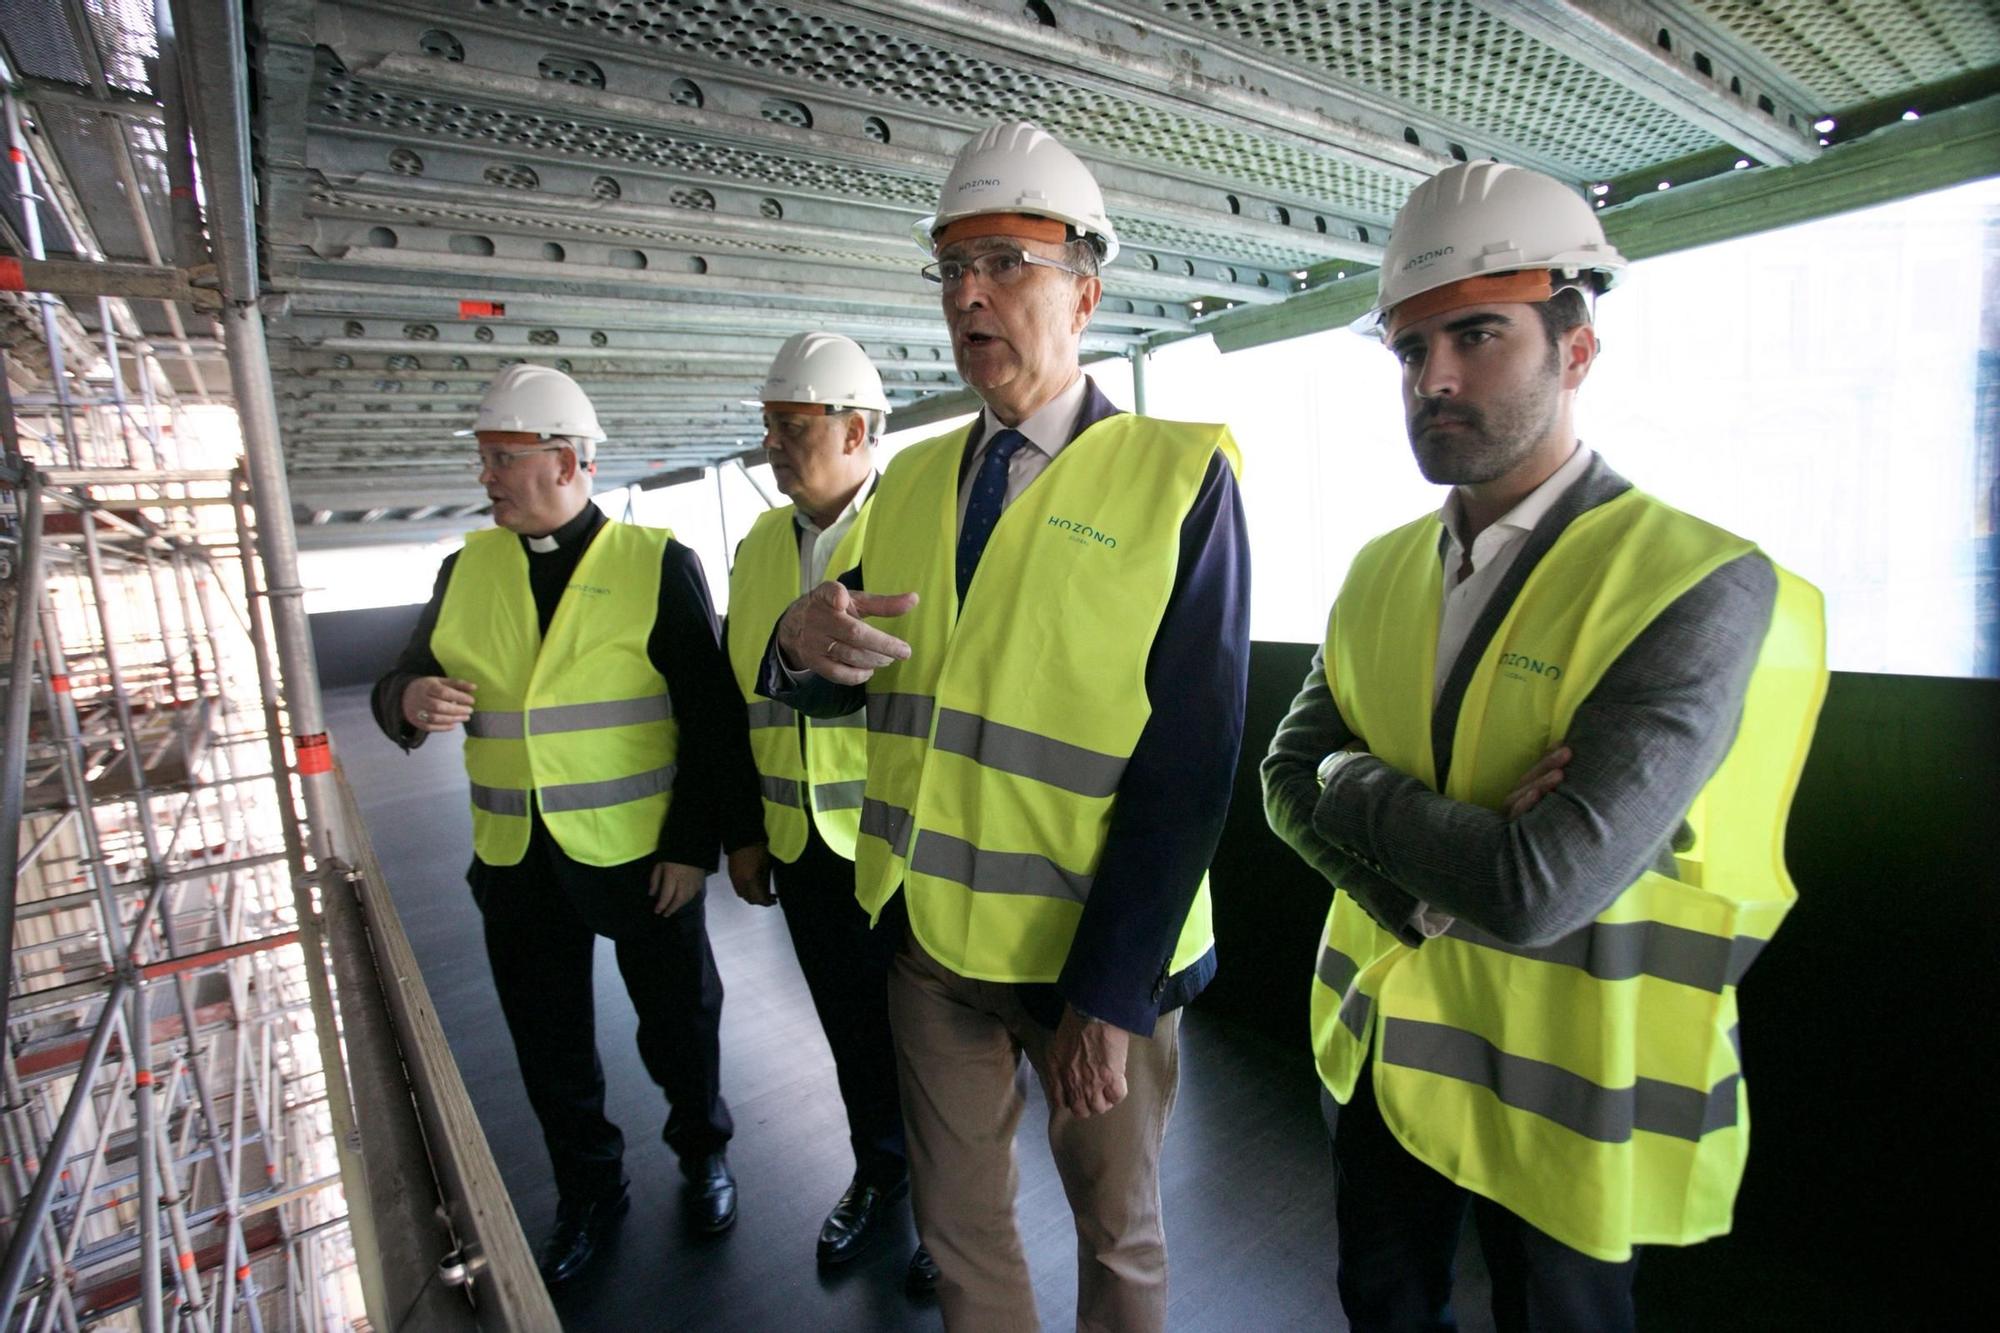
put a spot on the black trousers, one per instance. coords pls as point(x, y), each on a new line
point(847, 970)
point(1399, 1225)
point(542, 920)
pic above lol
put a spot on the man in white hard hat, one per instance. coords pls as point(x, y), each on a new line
point(1545, 756)
point(604, 740)
point(824, 410)
point(1052, 731)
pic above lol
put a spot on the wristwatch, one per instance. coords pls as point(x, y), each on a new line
point(1332, 763)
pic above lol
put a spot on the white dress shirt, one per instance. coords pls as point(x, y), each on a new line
point(1047, 431)
point(817, 544)
point(1494, 551)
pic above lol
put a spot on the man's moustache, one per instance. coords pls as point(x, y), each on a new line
point(1430, 416)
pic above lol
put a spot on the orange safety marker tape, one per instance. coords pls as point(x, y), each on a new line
point(185, 962)
point(315, 754)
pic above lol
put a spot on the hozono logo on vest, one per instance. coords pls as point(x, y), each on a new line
point(1079, 532)
point(1521, 666)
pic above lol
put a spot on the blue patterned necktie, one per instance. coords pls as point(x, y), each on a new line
point(982, 507)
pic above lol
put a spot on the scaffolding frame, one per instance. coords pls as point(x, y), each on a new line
point(120, 587)
point(224, 1099)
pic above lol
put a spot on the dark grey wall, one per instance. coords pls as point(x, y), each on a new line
point(356, 647)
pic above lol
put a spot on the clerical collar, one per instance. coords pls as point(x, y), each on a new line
point(564, 535)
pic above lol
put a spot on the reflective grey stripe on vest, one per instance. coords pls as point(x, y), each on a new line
point(611, 791)
point(770, 713)
point(901, 714)
point(589, 717)
point(1043, 758)
point(983, 871)
point(501, 725)
point(496, 725)
point(857, 718)
point(839, 795)
point(890, 823)
point(1337, 971)
point(1621, 950)
point(500, 800)
point(1608, 1115)
point(780, 791)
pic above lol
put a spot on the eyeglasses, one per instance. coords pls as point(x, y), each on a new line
point(499, 460)
point(793, 425)
point(1003, 268)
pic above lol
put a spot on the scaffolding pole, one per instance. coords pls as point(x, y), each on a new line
point(31, 228)
point(14, 745)
point(14, 1268)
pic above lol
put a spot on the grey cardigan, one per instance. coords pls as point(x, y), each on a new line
point(1644, 743)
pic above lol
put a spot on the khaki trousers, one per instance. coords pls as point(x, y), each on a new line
point(959, 1045)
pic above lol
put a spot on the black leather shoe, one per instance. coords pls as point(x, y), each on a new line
point(922, 1277)
point(848, 1225)
point(711, 1193)
point(580, 1228)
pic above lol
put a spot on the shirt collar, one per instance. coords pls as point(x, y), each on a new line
point(1533, 506)
point(1048, 426)
point(853, 508)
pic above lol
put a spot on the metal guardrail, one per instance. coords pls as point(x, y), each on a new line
point(487, 1255)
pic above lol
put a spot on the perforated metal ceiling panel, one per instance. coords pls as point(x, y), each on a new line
point(1460, 64)
point(656, 193)
point(1846, 53)
point(653, 193)
point(43, 42)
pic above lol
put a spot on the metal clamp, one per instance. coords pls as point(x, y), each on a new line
point(460, 1267)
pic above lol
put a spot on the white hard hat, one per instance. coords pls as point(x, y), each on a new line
point(1016, 167)
point(1479, 219)
point(824, 368)
point(537, 399)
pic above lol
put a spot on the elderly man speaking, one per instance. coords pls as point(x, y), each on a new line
point(1052, 731)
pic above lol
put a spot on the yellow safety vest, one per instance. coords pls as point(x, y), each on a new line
point(581, 722)
point(995, 751)
point(827, 773)
point(1591, 1086)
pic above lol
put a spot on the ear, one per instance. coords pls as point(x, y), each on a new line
point(1577, 353)
point(1089, 291)
point(857, 433)
point(572, 464)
